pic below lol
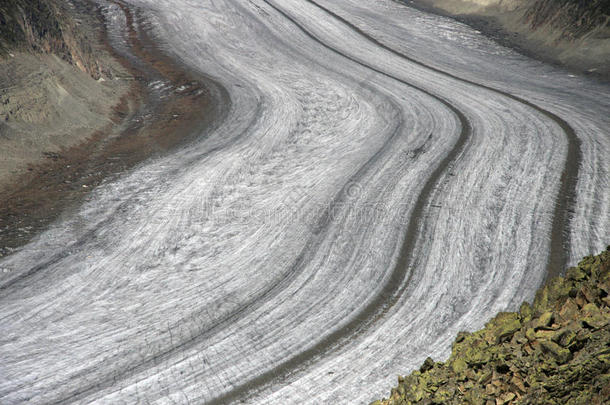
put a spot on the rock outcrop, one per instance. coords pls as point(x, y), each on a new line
point(46, 26)
point(555, 351)
point(572, 19)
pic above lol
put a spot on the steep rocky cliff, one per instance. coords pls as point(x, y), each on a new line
point(46, 26)
point(555, 351)
point(572, 19)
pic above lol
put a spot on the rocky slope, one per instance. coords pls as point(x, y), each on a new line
point(59, 83)
point(555, 351)
point(47, 26)
point(575, 33)
point(74, 110)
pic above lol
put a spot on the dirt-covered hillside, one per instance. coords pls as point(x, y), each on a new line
point(75, 111)
point(56, 86)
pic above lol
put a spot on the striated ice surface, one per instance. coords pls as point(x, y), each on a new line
point(265, 262)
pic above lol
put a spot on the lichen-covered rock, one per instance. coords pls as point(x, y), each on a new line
point(502, 327)
point(560, 354)
point(555, 351)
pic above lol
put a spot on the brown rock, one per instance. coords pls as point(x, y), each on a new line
point(560, 354)
point(545, 334)
point(590, 309)
point(588, 293)
point(518, 383)
point(565, 336)
point(580, 300)
point(543, 320)
point(507, 397)
point(569, 310)
point(596, 321)
point(575, 274)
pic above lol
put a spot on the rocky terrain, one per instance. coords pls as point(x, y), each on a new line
point(574, 33)
point(50, 27)
point(59, 83)
point(555, 351)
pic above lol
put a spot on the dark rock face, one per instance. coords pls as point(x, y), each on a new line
point(573, 18)
point(555, 351)
point(45, 26)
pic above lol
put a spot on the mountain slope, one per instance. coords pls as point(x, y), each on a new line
point(46, 26)
point(574, 33)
